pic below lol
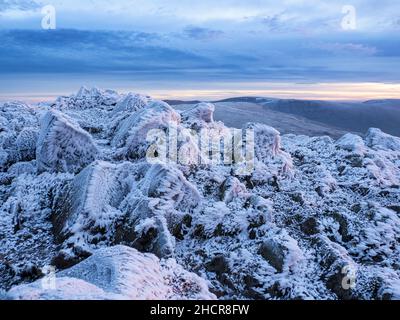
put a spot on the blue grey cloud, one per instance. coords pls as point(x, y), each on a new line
point(18, 5)
point(199, 33)
point(141, 54)
point(231, 40)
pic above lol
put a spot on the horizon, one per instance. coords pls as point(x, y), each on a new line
point(353, 92)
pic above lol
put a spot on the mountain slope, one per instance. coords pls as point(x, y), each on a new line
point(312, 218)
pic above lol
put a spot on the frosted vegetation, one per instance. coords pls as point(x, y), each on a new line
point(315, 219)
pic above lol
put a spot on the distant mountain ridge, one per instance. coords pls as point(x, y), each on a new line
point(347, 116)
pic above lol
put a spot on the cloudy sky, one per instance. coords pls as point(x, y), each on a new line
point(202, 49)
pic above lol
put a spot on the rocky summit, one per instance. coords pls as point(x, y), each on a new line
point(315, 218)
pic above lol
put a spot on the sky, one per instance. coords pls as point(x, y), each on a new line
point(344, 50)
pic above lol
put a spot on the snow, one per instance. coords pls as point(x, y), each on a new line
point(119, 273)
point(376, 139)
point(352, 142)
point(77, 193)
point(62, 145)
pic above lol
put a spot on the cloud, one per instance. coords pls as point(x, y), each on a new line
point(347, 48)
point(199, 33)
point(230, 40)
point(139, 54)
point(22, 5)
point(86, 51)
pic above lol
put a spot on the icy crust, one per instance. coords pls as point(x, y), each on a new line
point(201, 113)
point(88, 99)
point(132, 102)
point(378, 140)
point(18, 133)
point(125, 203)
point(63, 146)
point(130, 134)
point(119, 273)
point(312, 211)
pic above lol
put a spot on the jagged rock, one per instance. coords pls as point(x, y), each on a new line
point(274, 253)
point(281, 252)
point(169, 186)
point(87, 99)
point(310, 226)
point(131, 103)
point(103, 204)
point(390, 289)
point(131, 133)
point(17, 116)
point(378, 140)
point(88, 207)
point(62, 145)
point(160, 195)
point(119, 273)
point(202, 112)
point(268, 140)
point(232, 188)
point(339, 200)
point(20, 168)
point(338, 265)
point(26, 144)
point(218, 264)
point(352, 143)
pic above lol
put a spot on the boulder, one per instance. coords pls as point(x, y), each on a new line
point(62, 145)
point(120, 273)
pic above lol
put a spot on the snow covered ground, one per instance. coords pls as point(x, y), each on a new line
point(317, 218)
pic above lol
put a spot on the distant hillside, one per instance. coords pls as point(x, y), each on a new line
point(351, 116)
point(313, 117)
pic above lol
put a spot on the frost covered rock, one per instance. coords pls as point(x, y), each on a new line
point(26, 144)
point(20, 168)
point(232, 188)
point(120, 273)
point(112, 204)
point(390, 290)
point(352, 143)
point(281, 252)
point(66, 289)
point(268, 140)
point(87, 209)
point(170, 187)
point(62, 145)
point(309, 209)
point(17, 115)
point(271, 163)
point(378, 140)
point(18, 133)
point(131, 134)
point(155, 208)
point(87, 99)
point(131, 103)
point(202, 113)
point(337, 264)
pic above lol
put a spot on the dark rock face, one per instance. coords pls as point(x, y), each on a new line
point(218, 264)
point(310, 226)
point(274, 253)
